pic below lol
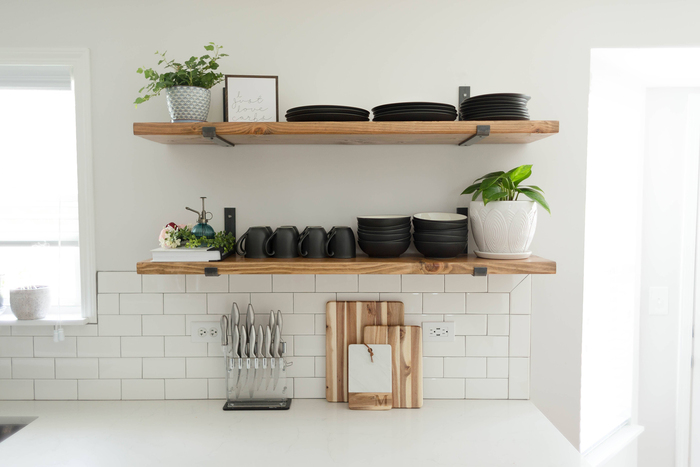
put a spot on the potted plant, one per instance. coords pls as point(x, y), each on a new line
point(187, 85)
point(503, 225)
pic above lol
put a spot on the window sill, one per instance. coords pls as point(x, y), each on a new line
point(613, 445)
point(54, 317)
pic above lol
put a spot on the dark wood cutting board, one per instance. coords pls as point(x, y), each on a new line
point(345, 324)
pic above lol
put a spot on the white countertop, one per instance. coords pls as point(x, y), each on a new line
point(311, 433)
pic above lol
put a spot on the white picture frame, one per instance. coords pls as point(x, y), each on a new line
point(251, 98)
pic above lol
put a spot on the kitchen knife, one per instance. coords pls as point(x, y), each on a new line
point(252, 346)
point(268, 356)
point(276, 354)
point(243, 343)
point(236, 361)
point(250, 320)
point(235, 317)
point(279, 326)
point(272, 327)
point(225, 330)
point(258, 353)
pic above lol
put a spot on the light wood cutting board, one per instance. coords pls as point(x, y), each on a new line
point(407, 361)
point(345, 323)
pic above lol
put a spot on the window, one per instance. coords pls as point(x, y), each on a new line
point(46, 231)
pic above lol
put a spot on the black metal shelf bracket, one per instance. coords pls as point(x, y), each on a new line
point(209, 132)
point(482, 131)
point(480, 272)
point(211, 272)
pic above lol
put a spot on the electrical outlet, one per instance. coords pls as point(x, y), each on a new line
point(438, 331)
point(205, 331)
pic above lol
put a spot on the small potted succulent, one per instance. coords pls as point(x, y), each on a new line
point(503, 226)
point(187, 85)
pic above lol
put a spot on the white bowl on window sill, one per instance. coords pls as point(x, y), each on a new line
point(30, 303)
point(503, 229)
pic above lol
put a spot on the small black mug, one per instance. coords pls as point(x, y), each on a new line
point(283, 242)
point(312, 242)
point(341, 243)
point(255, 239)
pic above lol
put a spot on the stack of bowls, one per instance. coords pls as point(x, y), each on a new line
point(384, 236)
point(440, 234)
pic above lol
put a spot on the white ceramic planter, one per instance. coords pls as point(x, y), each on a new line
point(503, 229)
point(30, 303)
point(188, 103)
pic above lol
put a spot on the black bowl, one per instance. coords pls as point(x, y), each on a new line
point(419, 224)
point(376, 237)
point(385, 249)
point(384, 230)
point(439, 237)
point(440, 250)
point(383, 221)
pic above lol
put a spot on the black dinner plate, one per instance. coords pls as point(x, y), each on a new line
point(493, 119)
point(505, 113)
point(495, 105)
point(499, 95)
point(304, 114)
point(327, 117)
point(327, 108)
point(416, 117)
point(404, 105)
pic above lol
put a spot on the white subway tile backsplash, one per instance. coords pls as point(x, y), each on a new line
point(163, 325)
point(320, 324)
point(118, 282)
point(357, 296)
point(16, 389)
point(221, 304)
point(433, 367)
point(5, 368)
point(80, 330)
point(486, 346)
point(521, 298)
point(444, 349)
point(142, 346)
point(56, 390)
point(214, 349)
point(312, 302)
point(31, 330)
point(299, 324)
point(337, 283)
point(119, 325)
point(320, 367)
point(46, 347)
point(171, 283)
point(17, 347)
point(76, 368)
point(293, 283)
point(418, 320)
point(487, 388)
point(186, 388)
point(488, 303)
point(143, 389)
point(465, 283)
point(117, 368)
point(98, 347)
point(141, 304)
point(519, 378)
point(310, 346)
point(422, 283)
point(498, 325)
point(250, 283)
point(107, 304)
point(379, 283)
point(443, 303)
point(264, 302)
point(32, 368)
point(207, 367)
point(465, 367)
point(519, 336)
point(468, 325)
point(496, 367)
point(99, 389)
point(443, 388)
point(412, 302)
point(217, 388)
point(289, 340)
point(504, 282)
point(185, 304)
point(309, 388)
point(303, 367)
point(182, 346)
point(200, 283)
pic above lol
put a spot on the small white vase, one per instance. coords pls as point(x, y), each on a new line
point(30, 303)
point(503, 228)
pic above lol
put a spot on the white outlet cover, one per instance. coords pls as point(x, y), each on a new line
point(438, 331)
point(212, 328)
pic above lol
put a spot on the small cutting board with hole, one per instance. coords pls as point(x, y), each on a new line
point(369, 377)
point(407, 361)
point(345, 323)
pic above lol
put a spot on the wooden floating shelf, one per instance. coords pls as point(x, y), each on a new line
point(454, 133)
point(359, 265)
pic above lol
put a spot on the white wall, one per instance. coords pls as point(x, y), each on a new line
point(360, 53)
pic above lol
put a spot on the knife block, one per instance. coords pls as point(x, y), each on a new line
point(257, 383)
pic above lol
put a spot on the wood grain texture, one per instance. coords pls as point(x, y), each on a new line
point(407, 361)
point(408, 264)
point(502, 132)
point(370, 401)
point(345, 323)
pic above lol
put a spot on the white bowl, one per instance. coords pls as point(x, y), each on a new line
point(30, 303)
point(440, 216)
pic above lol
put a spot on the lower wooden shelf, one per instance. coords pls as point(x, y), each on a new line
point(359, 265)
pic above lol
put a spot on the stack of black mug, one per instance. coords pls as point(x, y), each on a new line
point(286, 242)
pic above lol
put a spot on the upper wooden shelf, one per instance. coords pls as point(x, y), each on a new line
point(455, 133)
point(360, 265)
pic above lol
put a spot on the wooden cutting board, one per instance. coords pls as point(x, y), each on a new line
point(345, 323)
point(407, 361)
point(369, 377)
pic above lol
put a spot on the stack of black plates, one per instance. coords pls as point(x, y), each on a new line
point(440, 234)
point(384, 236)
point(503, 106)
point(414, 112)
point(327, 113)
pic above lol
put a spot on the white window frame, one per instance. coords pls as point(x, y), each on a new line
point(79, 61)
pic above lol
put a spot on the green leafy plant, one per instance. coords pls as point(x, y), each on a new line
point(505, 186)
point(173, 236)
point(197, 71)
